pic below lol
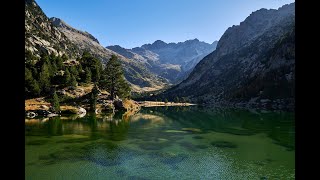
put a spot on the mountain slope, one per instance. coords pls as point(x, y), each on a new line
point(253, 65)
point(135, 72)
point(44, 35)
point(172, 61)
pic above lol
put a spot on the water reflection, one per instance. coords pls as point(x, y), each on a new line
point(165, 141)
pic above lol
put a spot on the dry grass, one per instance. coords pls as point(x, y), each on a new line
point(67, 107)
point(35, 103)
point(131, 104)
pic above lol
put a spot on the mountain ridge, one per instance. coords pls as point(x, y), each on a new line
point(172, 61)
point(238, 72)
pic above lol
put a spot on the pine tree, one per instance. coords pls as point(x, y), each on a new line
point(31, 85)
point(166, 100)
point(94, 96)
point(73, 81)
point(94, 64)
point(44, 78)
point(35, 88)
point(95, 74)
point(112, 79)
point(74, 71)
point(176, 99)
point(184, 100)
point(55, 102)
point(87, 75)
point(67, 77)
point(59, 63)
point(64, 57)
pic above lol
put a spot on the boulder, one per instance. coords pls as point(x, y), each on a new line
point(52, 115)
point(118, 104)
point(44, 107)
point(31, 114)
point(81, 111)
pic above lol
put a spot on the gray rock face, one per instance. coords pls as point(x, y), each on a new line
point(61, 24)
point(42, 37)
point(255, 59)
point(172, 61)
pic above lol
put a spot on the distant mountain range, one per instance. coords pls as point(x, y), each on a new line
point(253, 64)
point(173, 61)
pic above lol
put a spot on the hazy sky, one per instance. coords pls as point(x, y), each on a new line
point(131, 23)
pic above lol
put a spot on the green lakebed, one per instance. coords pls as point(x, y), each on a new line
point(163, 143)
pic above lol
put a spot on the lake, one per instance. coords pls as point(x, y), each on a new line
point(163, 143)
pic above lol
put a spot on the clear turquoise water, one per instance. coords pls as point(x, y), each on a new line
point(163, 143)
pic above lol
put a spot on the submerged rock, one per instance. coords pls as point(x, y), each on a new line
point(37, 142)
point(223, 144)
point(193, 130)
point(198, 137)
point(174, 131)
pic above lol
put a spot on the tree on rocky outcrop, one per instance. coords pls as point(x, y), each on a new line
point(166, 100)
point(112, 79)
point(176, 99)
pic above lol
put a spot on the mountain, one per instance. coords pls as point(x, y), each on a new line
point(253, 64)
point(44, 35)
point(172, 61)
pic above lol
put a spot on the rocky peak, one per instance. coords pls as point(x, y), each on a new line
point(196, 40)
point(156, 45)
point(41, 36)
point(252, 27)
point(120, 50)
point(57, 22)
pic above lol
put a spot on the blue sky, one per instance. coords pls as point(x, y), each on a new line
point(132, 23)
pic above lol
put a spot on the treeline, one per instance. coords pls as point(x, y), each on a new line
point(49, 72)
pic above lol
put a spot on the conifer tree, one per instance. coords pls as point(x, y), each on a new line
point(55, 102)
point(44, 78)
point(87, 75)
point(112, 79)
point(31, 85)
point(73, 81)
point(67, 77)
point(93, 98)
point(166, 100)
